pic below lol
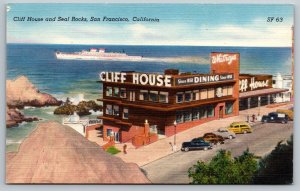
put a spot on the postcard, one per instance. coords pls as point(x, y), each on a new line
point(149, 93)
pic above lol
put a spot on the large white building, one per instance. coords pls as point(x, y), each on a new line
point(285, 82)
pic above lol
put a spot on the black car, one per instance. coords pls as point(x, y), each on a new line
point(196, 144)
point(275, 118)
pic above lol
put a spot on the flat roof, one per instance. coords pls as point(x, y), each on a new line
point(262, 92)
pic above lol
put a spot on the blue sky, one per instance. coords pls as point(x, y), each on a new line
point(180, 24)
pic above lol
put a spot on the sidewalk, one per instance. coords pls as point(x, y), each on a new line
point(162, 148)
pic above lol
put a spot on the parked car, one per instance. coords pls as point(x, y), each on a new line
point(240, 127)
point(213, 138)
point(225, 133)
point(289, 112)
point(196, 144)
point(275, 118)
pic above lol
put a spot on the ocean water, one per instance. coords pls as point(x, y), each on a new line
point(69, 78)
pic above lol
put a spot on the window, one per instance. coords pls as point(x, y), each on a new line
point(203, 113)
point(179, 97)
point(179, 117)
point(195, 114)
point(109, 132)
point(203, 94)
point(225, 91)
point(109, 110)
point(164, 97)
point(228, 107)
point(144, 95)
point(108, 91)
point(196, 95)
point(116, 110)
point(188, 96)
point(187, 116)
point(123, 93)
point(116, 92)
point(210, 111)
point(211, 93)
point(153, 96)
point(229, 90)
point(125, 113)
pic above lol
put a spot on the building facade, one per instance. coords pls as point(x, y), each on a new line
point(140, 105)
point(285, 82)
point(137, 104)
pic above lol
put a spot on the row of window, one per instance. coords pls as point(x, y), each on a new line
point(115, 111)
point(145, 95)
point(209, 93)
point(115, 91)
point(201, 113)
point(154, 96)
point(163, 97)
point(195, 114)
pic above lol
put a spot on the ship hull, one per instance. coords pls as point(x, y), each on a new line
point(64, 56)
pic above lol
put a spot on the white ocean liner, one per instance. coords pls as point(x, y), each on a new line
point(94, 54)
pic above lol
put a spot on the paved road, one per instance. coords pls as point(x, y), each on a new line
point(173, 168)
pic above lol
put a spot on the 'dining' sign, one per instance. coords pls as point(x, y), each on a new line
point(203, 79)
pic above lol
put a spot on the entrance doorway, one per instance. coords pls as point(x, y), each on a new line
point(221, 108)
point(117, 137)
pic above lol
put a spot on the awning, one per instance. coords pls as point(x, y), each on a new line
point(262, 92)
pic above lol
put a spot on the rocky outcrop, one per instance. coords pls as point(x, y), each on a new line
point(55, 153)
point(21, 92)
point(14, 117)
point(82, 108)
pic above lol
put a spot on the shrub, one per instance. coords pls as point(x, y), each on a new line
point(112, 150)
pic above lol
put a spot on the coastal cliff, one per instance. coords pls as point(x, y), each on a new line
point(21, 92)
point(55, 153)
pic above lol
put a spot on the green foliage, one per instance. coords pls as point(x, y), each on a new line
point(223, 169)
point(277, 167)
point(112, 150)
point(82, 108)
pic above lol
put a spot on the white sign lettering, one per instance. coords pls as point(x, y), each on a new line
point(203, 79)
point(253, 84)
point(258, 84)
point(137, 78)
point(221, 58)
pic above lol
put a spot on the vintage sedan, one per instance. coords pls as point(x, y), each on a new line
point(196, 144)
point(225, 133)
point(213, 138)
point(240, 127)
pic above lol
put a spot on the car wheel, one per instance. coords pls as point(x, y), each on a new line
point(205, 148)
point(230, 137)
point(186, 149)
point(245, 132)
point(265, 121)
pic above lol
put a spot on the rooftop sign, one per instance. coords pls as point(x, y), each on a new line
point(137, 78)
point(203, 79)
point(223, 58)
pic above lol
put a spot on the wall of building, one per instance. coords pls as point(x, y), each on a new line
point(223, 66)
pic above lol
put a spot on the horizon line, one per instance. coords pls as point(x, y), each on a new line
point(152, 45)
